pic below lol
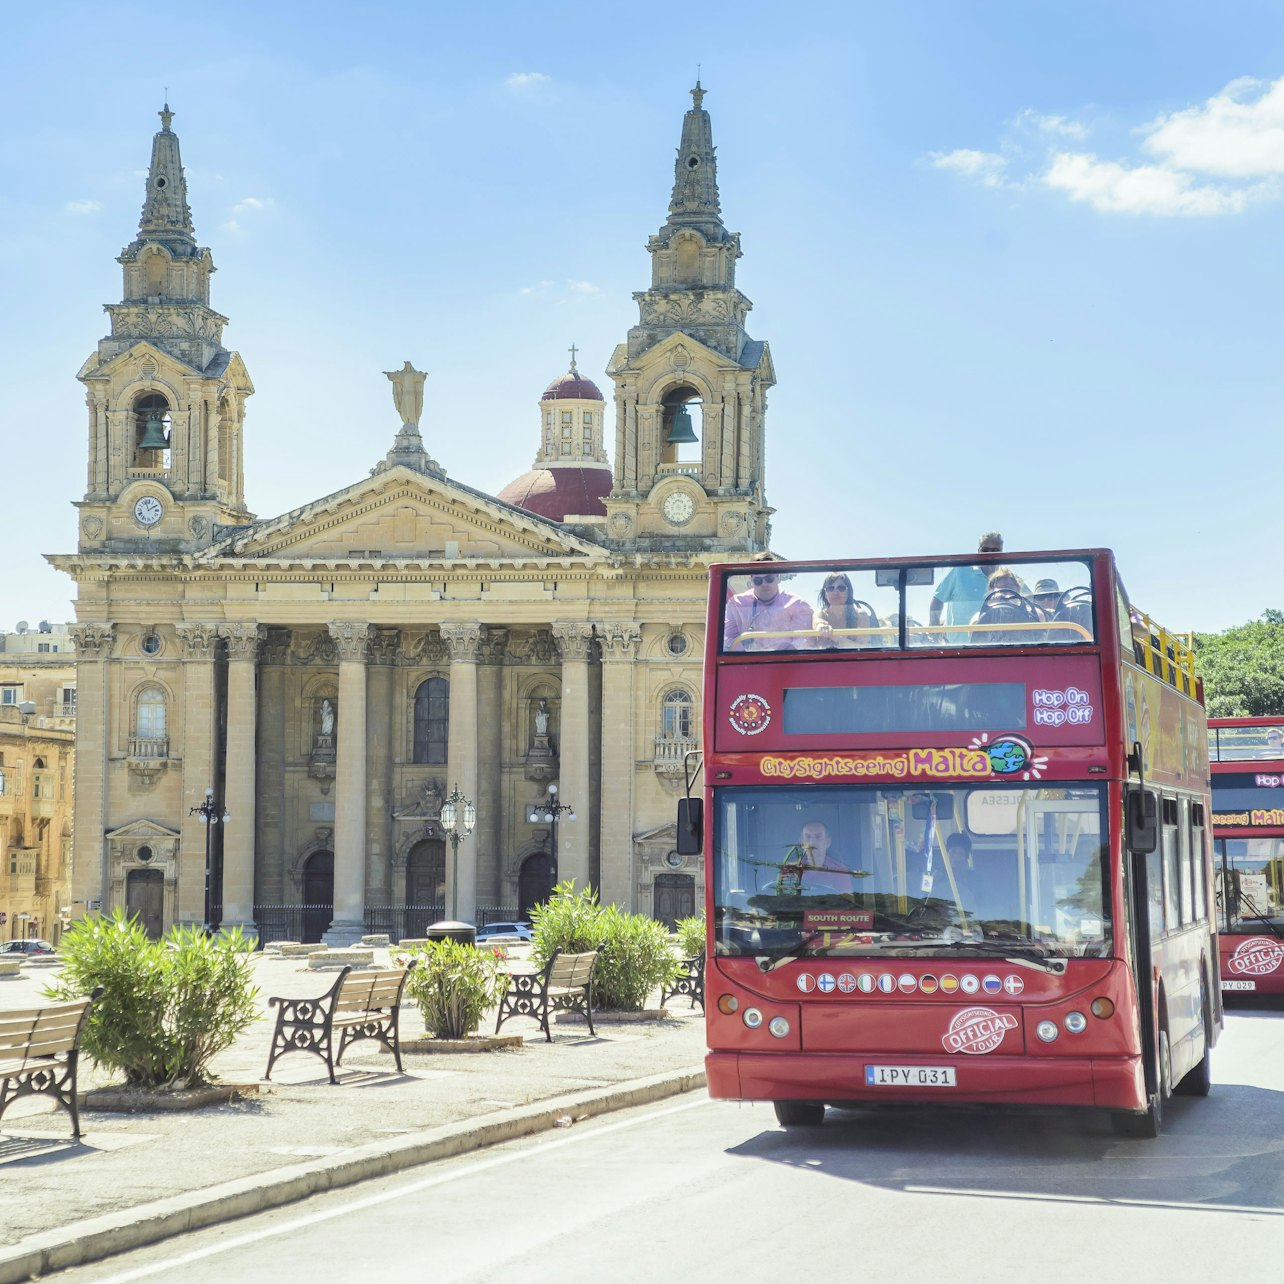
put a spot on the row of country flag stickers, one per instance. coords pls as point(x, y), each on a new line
point(908, 983)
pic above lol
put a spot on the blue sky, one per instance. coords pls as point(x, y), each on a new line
point(1021, 265)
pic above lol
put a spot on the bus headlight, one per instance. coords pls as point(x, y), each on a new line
point(779, 1027)
point(1075, 1022)
point(1046, 1030)
point(752, 1018)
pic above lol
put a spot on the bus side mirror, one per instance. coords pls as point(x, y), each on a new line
point(690, 826)
point(1143, 822)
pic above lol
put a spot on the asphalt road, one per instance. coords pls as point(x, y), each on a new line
point(703, 1190)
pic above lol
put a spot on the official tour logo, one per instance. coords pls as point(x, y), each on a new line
point(1256, 957)
point(749, 714)
point(977, 1031)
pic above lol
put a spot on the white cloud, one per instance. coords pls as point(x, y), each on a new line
point(583, 287)
point(251, 204)
point(1238, 133)
point(1215, 158)
point(986, 167)
point(526, 80)
point(83, 207)
point(1141, 189)
point(1060, 125)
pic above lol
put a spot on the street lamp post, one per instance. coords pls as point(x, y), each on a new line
point(211, 814)
point(458, 816)
point(549, 810)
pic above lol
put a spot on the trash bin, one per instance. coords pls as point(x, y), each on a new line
point(451, 930)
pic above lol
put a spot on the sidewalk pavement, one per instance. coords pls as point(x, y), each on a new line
point(135, 1178)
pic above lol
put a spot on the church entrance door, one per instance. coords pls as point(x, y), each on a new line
point(425, 886)
point(318, 896)
point(145, 900)
point(672, 898)
point(534, 883)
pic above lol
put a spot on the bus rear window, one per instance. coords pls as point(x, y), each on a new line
point(954, 706)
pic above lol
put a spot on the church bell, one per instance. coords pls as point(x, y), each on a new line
point(681, 432)
point(154, 434)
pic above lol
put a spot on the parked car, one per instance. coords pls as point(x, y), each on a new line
point(522, 931)
point(34, 945)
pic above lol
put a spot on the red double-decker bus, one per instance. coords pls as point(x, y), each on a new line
point(955, 816)
point(1247, 758)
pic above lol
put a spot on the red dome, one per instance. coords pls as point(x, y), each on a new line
point(572, 386)
point(557, 493)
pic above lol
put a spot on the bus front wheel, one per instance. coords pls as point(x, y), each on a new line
point(1149, 1123)
point(799, 1114)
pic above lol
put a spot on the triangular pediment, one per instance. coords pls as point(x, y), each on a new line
point(401, 516)
point(136, 356)
point(142, 831)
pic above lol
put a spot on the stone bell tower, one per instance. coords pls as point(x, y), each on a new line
point(166, 400)
point(690, 384)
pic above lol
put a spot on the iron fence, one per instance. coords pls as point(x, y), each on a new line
point(309, 922)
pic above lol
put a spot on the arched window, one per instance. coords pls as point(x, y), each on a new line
point(677, 716)
point(149, 714)
point(432, 720)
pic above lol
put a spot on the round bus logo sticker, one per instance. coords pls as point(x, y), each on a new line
point(825, 983)
point(1257, 956)
point(976, 1031)
point(749, 714)
point(968, 983)
point(806, 982)
point(991, 984)
point(865, 983)
point(908, 983)
point(928, 983)
point(887, 983)
point(847, 983)
point(949, 984)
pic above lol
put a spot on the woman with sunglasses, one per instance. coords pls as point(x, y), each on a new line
point(839, 609)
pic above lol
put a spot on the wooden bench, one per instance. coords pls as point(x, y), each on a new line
point(359, 1005)
point(564, 984)
point(689, 981)
point(39, 1049)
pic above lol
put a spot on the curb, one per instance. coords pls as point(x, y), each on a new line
point(130, 1228)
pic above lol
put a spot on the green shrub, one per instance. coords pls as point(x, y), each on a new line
point(453, 985)
point(633, 951)
point(168, 1007)
point(691, 936)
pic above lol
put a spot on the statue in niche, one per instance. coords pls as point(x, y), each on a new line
point(327, 718)
point(431, 797)
point(541, 719)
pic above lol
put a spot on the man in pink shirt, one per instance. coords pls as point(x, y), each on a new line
point(755, 620)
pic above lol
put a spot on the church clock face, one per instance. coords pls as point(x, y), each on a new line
point(148, 511)
point(678, 508)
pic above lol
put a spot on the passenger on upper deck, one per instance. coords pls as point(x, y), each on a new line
point(767, 610)
point(840, 609)
point(963, 590)
point(1274, 743)
point(1005, 604)
point(1046, 596)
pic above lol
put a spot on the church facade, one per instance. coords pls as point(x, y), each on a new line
point(279, 719)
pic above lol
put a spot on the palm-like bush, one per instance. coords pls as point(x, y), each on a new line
point(691, 936)
point(168, 1007)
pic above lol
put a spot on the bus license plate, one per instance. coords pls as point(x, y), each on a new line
point(1239, 985)
point(910, 1077)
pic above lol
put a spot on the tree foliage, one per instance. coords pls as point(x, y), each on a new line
point(1243, 668)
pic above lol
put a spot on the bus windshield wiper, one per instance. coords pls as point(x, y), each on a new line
point(770, 962)
point(1272, 928)
point(1019, 954)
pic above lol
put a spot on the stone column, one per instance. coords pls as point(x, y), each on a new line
point(464, 641)
point(240, 774)
point(382, 724)
point(349, 924)
point(620, 647)
point(198, 641)
point(89, 872)
point(492, 887)
point(575, 642)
